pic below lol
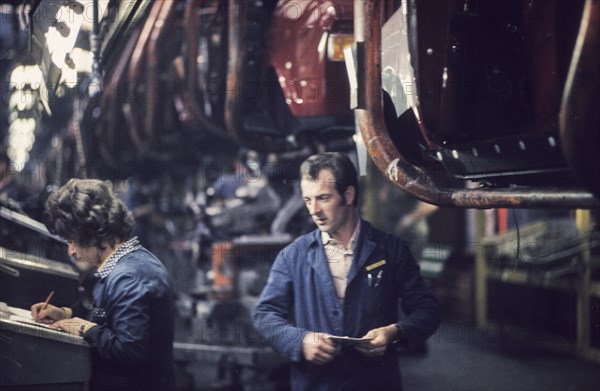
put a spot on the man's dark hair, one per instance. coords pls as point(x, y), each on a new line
point(341, 167)
point(86, 211)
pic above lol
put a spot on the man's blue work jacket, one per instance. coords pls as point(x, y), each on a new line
point(300, 297)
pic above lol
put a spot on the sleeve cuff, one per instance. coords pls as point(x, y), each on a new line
point(413, 336)
point(298, 351)
point(400, 334)
point(90, 333)
point(88, 326)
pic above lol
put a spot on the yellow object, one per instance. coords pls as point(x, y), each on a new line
point(336, 45)
point(375, 265)
point(68, 311)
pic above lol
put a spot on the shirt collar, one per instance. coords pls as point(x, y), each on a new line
point(125, 248)
point(327, 239)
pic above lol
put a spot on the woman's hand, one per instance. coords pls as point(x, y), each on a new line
point(72, 325)
point(47, 315)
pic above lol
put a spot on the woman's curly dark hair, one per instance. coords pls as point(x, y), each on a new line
point(86, 211)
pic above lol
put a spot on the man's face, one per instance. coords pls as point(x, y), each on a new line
point(326, 206)
point(86, 257)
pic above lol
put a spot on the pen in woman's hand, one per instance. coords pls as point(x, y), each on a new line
point(47, 300)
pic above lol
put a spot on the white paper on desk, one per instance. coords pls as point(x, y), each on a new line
point(20, 315)
point(349, 340)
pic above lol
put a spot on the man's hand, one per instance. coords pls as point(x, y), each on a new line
point(48, 315)
point(71, 326)
point(318, 349)
point(377, 346)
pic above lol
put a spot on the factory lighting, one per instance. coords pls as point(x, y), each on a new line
point(25, 82)
point(336, 45)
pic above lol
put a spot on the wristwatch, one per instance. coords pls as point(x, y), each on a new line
point(81, 330)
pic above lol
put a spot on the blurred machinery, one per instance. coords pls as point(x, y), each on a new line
point(162, 96)
point(498, 93)
point(32, 264)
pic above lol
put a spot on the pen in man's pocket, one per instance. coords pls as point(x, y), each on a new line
point(48, 300)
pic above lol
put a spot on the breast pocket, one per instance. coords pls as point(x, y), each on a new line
point(379, 290)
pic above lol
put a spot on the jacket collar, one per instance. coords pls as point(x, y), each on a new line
point(365, 247)
point(109, 264)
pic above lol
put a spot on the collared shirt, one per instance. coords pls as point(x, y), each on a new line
point(125, 248)
point(340, 259)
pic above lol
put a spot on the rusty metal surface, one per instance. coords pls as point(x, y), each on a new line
point(135, 67)
point(237, 78)
point(312, 85)
point(418, 181)
point(189, 99)
point(156, 53)
point(104, 124)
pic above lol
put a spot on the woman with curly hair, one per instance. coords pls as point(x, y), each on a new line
point(130, 325)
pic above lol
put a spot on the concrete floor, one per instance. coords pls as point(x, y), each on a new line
point(461, 357)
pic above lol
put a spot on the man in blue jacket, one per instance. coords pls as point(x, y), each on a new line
point(130, 324)
point(343, 279)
